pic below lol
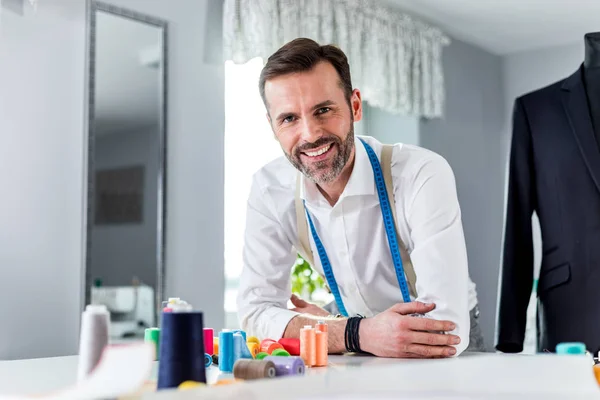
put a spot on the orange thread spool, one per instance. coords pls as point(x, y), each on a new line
point(321, 348)
point(321, 326)
point(308, 345)
point(268, 345)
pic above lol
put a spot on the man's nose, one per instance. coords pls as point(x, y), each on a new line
point(311, 130)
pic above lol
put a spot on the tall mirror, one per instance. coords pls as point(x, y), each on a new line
point(126, 171)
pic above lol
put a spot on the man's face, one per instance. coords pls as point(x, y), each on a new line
point(313, 121)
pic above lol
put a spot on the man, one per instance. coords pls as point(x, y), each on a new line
point(311, 107)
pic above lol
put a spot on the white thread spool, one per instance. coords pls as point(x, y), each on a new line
point(95, 322)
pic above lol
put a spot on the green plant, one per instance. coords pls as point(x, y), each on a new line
point(304, 279)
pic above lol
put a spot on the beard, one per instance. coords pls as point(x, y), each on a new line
point(325, 171)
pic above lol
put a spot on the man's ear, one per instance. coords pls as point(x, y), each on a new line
point(356, 105)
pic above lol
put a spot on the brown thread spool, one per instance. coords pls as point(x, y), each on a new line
point(308, 345)
point(253, 369)
point(321, 348)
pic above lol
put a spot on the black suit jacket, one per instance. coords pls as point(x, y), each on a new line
point(554, 171)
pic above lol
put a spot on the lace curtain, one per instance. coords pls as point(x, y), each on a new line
point(395, 60)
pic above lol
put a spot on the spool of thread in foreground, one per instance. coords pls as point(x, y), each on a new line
point(254, 369)
point(207, 360)
point(321, 326)
point(321, 348)
point(209, 344)
point(570, 348)
point(293, 365)
point(95, 322)
point(243, 333)
point(291, 345)
point(152, 336)
point(181, 349)
point(308, 345)
point(226, 351)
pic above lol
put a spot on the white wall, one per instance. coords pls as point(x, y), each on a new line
point(195, 147)
point(390, 128)
point(42, 78)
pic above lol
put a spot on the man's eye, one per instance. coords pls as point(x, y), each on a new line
point(288, 119)
point(323, 110)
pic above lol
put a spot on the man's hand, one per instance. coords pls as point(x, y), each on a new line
point(394, 333)
point(304, 307)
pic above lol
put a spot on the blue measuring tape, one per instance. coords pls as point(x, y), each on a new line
point(390, 231)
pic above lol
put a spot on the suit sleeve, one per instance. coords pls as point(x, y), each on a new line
point(516, 277)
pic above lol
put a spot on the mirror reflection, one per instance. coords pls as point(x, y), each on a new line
point(126, 144)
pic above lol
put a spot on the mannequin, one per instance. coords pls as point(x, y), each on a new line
point(555, 173)
point(591, 76)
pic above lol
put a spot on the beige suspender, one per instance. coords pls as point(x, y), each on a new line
point(304, 244)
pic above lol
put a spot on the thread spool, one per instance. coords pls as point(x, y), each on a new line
point(253, 369)
point(216, 345)
point(293, 365)
point(243, 333)
point(226, 351)
point(152, 336)
point(215, 359)
point(209, 346)
point(253, 339)
point(308, 345)
point(181, 349)
point(291, 345)
point(95, 321)
point(254, 348)
point(240, 348)
point(280, 352)
point(261, 355)
point(207, 360)
point(321, 349)
point(570, 348)
point(321, 326)
point(268, 345)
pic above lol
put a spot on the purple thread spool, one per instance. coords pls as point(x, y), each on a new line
point(285, 365)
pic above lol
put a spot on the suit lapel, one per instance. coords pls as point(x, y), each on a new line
point(576, 106)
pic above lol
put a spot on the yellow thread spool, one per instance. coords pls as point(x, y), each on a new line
point(253, 339)
point(254, 348)
point(216, 345)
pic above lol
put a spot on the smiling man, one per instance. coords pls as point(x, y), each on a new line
point(331, 180)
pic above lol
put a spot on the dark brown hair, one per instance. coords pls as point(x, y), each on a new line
point(302, 55)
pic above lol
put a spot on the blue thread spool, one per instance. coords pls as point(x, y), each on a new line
point(570, 348)
point(243, 333)
point(181, 349)
point(240, 348)
point(226, 351)
point(207, 360)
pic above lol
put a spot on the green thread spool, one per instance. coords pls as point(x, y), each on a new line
point(261, 355)
point(280, 352)
point(152, 335)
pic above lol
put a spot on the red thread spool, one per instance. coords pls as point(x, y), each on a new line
point(291, 345)
point(268, 345)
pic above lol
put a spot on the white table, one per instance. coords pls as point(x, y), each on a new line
point(471, 376)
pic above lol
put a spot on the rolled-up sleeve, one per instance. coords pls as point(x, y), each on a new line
point(268, 256)
point(439, 253)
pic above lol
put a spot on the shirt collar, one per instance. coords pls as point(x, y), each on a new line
point(361, 180)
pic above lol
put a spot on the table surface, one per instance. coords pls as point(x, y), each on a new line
point(470, 376)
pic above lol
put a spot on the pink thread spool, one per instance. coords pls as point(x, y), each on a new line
point(209, 345)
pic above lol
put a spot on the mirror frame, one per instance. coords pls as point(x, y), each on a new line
point(93, 7)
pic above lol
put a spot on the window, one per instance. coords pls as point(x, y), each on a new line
point(249, 144)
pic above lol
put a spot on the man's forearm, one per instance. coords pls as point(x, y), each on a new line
point(335, 330)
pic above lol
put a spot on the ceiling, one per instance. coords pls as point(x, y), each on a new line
point(127, 79)
point(508, 26)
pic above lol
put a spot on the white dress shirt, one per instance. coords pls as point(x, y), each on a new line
point(353, 234)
